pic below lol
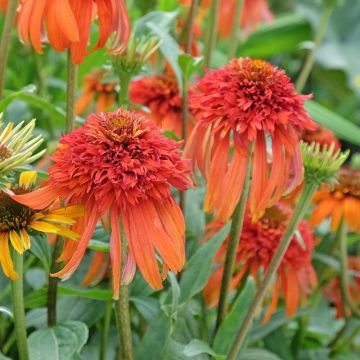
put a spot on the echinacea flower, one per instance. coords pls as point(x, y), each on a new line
point(160, 93)
point(340, 200)
point(95, 87)
point(295, 277)
point(322, 136)
point(16, 220)
point(68, 24)
point(118, 165)
point(333, 290)
point(247, 101)
point(254, 13)
point(17, 146)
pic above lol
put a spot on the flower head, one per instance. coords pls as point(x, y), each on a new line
point(68, 24)
point(16, 220)
point(295, 277)
point(17, 146)
point(248, 101)
point(340, 200)
point(119, 166)
point(333, 290)
point(97, 87)
point(160, 93)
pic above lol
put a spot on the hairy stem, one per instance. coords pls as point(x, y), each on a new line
point(18, 307)
point(5, 41)
point(235, 232)
point(301, 207)
point(211, 32)
point(310, 59)
point(235, 30)
point(72, 76)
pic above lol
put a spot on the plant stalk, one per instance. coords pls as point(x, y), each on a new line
point(105, 330)
point(212, 32)
point(122, 316)
point(310, 59)
point(235, 30)
point(5, 41)
point(301, 207)
point(72, 77)
point(235, 232)
point(125, 80)
point(190, 25)
point(18, 307)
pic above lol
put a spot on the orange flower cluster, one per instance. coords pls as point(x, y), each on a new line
point(68, 24)
point(340, 201)
point(295, 277)
point(247, 101)
point(120, 167)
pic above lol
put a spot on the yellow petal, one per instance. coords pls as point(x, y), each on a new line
point(45, 227)
point(62, 219)
point(71, 211)
point(16, 241)
point(67, 233)
point(27, 178)
point(5, 258)
point(25, 239)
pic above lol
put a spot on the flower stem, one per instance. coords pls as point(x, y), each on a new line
point(190, 25)
point(301, 207)
point(235, 232)
point(344, 278)
point(310, 59)
point(122, 316)
point(53, 282)
point(18, 307)
point(105, 330)
point(125, 80)
point(234, 33)
point(72, 76)
point(212, 31)
point(5, 40)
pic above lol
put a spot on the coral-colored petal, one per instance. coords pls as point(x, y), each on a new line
point(274, 302)
point(291, 292)
point(97, 269)
point(38, 199)
point(115, 251)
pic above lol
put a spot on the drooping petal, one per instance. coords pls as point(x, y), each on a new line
point(5, 257)
point(97, 269)
point(16, 241)
point(115, 251)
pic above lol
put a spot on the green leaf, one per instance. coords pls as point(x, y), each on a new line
point(147, 307)
point(283, 35)
point(257, 354)
point(198, 269)
point(61, 342)
point(96, 245)
point(41, 249)
point(190, 65)
point(3, 357)
point(30, 98)
point(342, 128)
point(93, 294)
point(233, 321)
point(197, 347)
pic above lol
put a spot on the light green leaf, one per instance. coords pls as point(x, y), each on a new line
point(232, 323)
point(41, 249)
point(190, 65)
point(198, 269)
point(342, 128)
point(257, 354)
point(197, 347)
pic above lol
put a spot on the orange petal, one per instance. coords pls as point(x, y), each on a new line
point(97, 269)
point(291, 292)
point(274, 302)
point(38, 199)
point(115, 251)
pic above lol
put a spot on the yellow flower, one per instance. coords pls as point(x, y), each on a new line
point(17, 219)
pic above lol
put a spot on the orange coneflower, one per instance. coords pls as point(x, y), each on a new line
point(118, 165)
point(68, 24)
point(160, 93)
point(254, 13)
point(333, 290)
point(295, 277)
point(322, 136)
point(95, 87)
point(339, 201)
point(17, 219)
point(247, 101)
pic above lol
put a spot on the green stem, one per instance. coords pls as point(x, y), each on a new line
point(235, 33)
point(190, 25)
point(310, 59)
point(72, 77)
point(122, 316)
point(105, 331)
point(301, 207)
point(18, 307)
point(212, 31)
point(5, 41)
point(344, 277)
point(125, 80)
point(53, 282)
point(235, 232)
